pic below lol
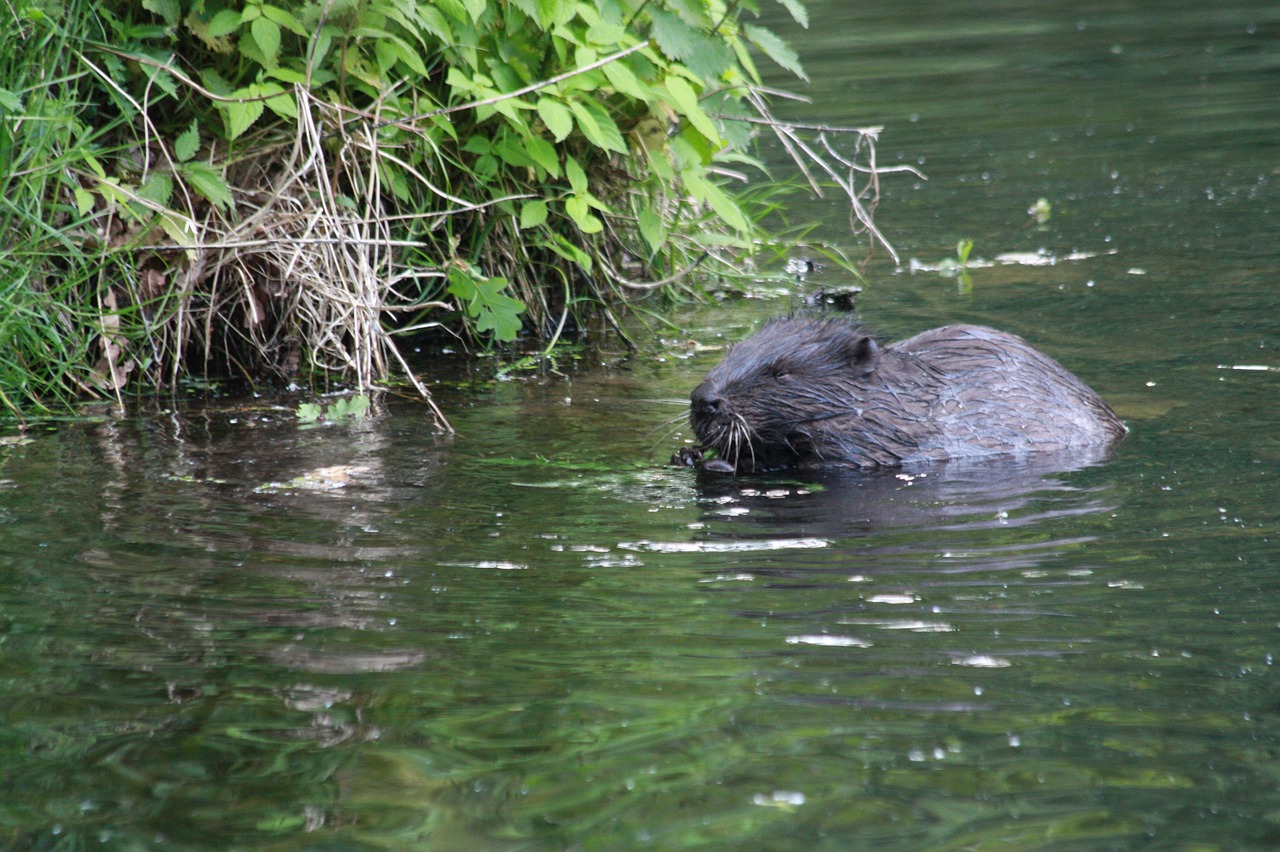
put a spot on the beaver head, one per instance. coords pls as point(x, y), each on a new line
point(763, 406)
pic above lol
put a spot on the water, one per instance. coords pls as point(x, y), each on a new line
point(534, 635)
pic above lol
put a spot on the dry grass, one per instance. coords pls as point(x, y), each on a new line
point(309, 273)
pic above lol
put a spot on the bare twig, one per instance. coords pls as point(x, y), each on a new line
point(615, 276)
point(825, 159)
point(532, 87)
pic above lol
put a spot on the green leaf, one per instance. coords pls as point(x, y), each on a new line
point(585, 56)
point(163, 80)
point(308, 412)
point(577, 177)
point(746, 62)
point(553, 12)
point(158, 189)
point(167, 9)
point(455, 78)
point(84, 200)
point(267, 34)
point(597, 126)
point(606, 34)
point(321, 42)
point(798, 12)
point(660, 165)
point(686, 103)
point(776, 49)
point(652, 229)
point(386, 53)
point(288, 75)
point(544, 154)
point(394, 177)
point(241, 115)
point(707, 56)
point(208, 182)
point(10, 102)
point(178, 227)
point(512, 152)
point(533, 214)
point(486, 168)
point(187, 143)
point(214, 82)
point(726, 107)
point(454, 9)
point(354, 408)
point(285, 19)
point(282, 104)
point(484, 302)
point(579, 210)
point(409, 56)
point(111, 191)
point(690, 149)
point(556, 117)
point(724, 206)
point(95, 165)
point(627, 83)
point(434, 22)
point(355, 63)
point(505, 77)
point(571, 252)
point(510, 109)
point(224, 23)
point(675, 38)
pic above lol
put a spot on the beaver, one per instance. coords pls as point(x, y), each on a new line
point(817, 392)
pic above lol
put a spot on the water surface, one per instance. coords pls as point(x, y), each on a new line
point(218, 629)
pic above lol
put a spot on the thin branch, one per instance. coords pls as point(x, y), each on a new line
point(807, 158)
point(291, 241)
point(532, 87)
point(615, 276)
point(871, 169)
point(770, 121)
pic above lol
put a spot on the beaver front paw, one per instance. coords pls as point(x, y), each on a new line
point(719, 466)
point(687, 457)
point(693, 457)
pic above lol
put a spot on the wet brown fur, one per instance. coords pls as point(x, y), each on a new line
point(805, 392)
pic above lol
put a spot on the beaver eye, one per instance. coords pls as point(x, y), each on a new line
point(780, 373)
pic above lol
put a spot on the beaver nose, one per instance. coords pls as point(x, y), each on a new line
point(704, 400)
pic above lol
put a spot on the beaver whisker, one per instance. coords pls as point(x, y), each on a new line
point(675, 422)
point(735, 436)
point(747, 437)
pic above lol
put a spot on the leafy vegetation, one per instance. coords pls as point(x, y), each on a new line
point(347, 408)
point(196, 187)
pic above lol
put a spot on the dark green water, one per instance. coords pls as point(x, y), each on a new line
point(535, 636)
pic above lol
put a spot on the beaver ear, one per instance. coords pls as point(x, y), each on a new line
point(864, 354)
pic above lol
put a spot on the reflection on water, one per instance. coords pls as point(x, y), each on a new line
point(962, 495)
point(220, 630)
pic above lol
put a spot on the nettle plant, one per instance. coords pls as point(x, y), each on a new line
point(290, 186)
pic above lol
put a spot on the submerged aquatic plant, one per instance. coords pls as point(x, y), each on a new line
point(347, 408)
